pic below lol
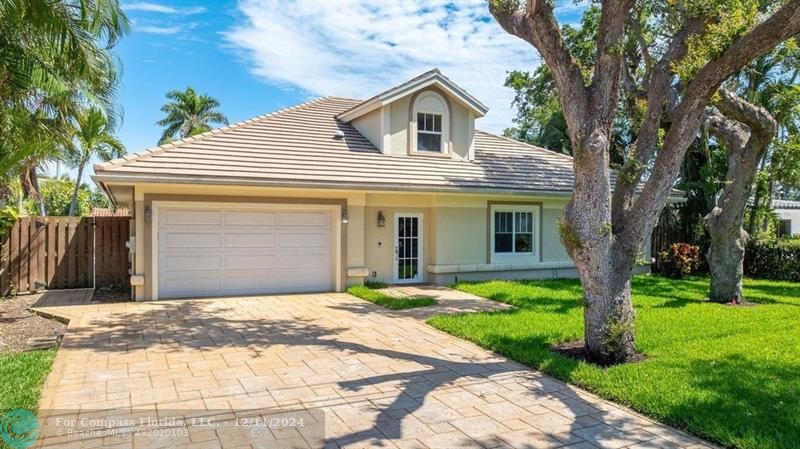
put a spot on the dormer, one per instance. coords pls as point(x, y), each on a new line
point(428, 116)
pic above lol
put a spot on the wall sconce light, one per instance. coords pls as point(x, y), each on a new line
point(148, 214)
point(381, 219)
point(345, 220)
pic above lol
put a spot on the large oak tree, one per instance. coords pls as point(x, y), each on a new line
point(604, 231)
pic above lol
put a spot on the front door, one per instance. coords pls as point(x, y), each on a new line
point(407, 248)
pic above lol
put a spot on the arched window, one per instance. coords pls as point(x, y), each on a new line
point(431, 124)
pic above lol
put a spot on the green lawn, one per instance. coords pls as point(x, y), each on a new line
point(21, 377)
point(729, 374)
point(369, 292)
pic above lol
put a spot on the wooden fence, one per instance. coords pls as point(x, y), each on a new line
point(667, 231)
point(64, 252)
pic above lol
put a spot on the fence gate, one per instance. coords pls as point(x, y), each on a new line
point(64, 252)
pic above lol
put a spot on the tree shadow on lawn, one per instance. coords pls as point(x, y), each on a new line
point(204, 325)
point(747, 403)
point(549, 294)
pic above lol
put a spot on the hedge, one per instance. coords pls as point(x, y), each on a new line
point(773, 259)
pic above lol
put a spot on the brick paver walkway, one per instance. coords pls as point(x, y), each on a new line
point(380, 379)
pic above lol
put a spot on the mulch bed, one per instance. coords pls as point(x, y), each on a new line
point(108, 295)
point(18, 324)
point(577, 350)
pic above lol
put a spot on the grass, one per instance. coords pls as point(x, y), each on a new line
point(369, 292)
point(729, 374)
point(21, 377)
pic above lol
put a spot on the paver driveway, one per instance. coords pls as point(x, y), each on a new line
point(380, 379)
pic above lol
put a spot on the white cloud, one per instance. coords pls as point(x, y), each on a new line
point(164, 30)
point(163, 9)
point(358, 48)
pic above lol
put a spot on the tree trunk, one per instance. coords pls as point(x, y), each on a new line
point(608, 316)
point(30, 188)
point(746, 130)
point(73, 204)
point(726, 262)
point(604, 271)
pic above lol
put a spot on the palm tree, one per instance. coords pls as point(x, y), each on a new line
point(55, 60)
point(93, 137)
point(188, 113)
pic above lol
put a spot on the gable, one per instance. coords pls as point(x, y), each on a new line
point(431, 79)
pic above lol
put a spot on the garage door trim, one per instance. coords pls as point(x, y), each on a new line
point(336, 227)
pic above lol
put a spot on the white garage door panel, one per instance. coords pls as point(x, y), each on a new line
point(304, 240)
point(244, 261)
point(249, 218)
point(236, 250)
point(250, 239)
point(190, 282)
point(177, 239)
point(192, 263)
point(194, 217)
point(305, 219)
point(250, 282)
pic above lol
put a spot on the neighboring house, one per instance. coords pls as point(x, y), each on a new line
point(399, 188)
point(788, 217)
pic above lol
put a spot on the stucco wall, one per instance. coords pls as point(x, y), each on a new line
point(793, 215)
point(461, 133)
point(455, 229)
point(369, 125)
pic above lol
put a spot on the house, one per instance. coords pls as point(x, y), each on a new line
point(400, 188)
point(788, 217)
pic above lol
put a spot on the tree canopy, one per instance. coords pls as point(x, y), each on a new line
point(187, 114)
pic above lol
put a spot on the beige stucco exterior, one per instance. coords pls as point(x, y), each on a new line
point(392, 127)
point(455, 230)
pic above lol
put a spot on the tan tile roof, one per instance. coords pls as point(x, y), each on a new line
point(296, 146)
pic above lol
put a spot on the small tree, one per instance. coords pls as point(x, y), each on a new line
point(94, 137)
point(703, 44)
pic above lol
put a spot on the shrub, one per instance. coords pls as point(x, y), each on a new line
point(680, 260)
point(773, 259)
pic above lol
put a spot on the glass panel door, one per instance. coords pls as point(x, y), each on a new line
point(407, 248)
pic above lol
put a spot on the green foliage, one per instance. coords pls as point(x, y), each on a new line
point(375, 285)
point(376, 297)
point(708, 365)
point(773, 259)
point(726, 21)
point(94, 136)
point(55, 60)
point(8, 216)
point(21, 378)
point(680, 260)
point(187, 114)
point(57, 194)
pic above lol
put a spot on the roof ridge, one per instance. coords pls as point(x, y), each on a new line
point(524, 144)
point(164, 147)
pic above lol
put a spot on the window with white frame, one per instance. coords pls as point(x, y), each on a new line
point(514, 230)
point(429, 132)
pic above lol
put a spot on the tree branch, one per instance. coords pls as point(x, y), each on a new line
point(645, 145)
point(609, 59)
point(760, 122)
point(689, 114)
point(537, 25)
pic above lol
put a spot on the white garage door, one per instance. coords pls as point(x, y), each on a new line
point(232, 250)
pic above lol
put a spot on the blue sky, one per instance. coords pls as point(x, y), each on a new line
point(256, 56)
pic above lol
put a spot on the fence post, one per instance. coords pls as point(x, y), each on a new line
point(93, 221)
